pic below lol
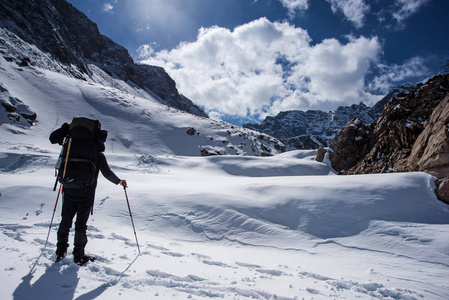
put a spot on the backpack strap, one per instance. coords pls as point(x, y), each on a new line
point(83, 160)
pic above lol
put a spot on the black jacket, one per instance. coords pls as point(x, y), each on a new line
point(101, 164)
point(105, 170)
point(89, 192)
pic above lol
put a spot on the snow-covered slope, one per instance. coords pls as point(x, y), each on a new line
point(136, 123)
point(229, 226)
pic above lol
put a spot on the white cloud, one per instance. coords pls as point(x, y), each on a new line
point(389, 75)
point(108, 7)
point(354, 10)
point(264, 67)
point(145, 51)
point(295, 5)
point(407, 8)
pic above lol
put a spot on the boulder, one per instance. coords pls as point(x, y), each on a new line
point(348, 145)
point(191, 131)
point(442, 190)
point(320, 153)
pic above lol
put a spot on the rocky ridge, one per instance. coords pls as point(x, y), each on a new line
point(411, 134)
point(315, 128)
point(66, 34)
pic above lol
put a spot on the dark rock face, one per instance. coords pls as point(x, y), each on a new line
point(430, 153)
point(349, 144)
point(56, 27)
point(411, 134)
point(313, 128)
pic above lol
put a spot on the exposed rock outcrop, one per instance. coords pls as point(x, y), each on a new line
point(320, 153)
point(411, 134)
point(430, 152)
point(14, 110)
point(349, 145)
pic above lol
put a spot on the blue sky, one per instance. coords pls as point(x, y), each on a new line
point(242, 60)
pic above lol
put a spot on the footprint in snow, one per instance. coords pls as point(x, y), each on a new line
point(119, 237)
point(39, 211)
point(246, 265)
point(174, 254)
point(163, 275)
point(216, 263)
point(201, 256)
point(271, 272)
point(157, 247)
point(313, 291)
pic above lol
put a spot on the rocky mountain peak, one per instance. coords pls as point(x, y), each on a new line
point(58, 28)
point(313, 128)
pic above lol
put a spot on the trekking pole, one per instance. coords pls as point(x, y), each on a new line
point(54, 210)
point(132, 222)
point(49, 230)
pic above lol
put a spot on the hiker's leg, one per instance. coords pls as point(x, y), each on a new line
point(69, 208)
point(84, 208)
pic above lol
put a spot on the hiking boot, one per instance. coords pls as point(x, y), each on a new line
point(81, 261)
point(59, 258)
point(61, 251)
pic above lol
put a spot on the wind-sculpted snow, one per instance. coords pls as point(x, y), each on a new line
point(311, 203)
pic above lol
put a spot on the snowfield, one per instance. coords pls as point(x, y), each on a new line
point(230, 226)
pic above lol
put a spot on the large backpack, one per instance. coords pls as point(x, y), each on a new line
point(79, 155)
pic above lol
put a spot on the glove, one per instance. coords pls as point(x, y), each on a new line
point(123, 183)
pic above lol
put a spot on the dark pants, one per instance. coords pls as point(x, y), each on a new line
point(81, 207)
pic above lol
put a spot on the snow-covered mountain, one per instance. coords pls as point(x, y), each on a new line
point(225, 226)
point(67, 35)
point(311, 129)
point(38, 92)
point(36, 101)
point(315, 128)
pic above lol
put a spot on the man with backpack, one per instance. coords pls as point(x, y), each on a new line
point(80, 162)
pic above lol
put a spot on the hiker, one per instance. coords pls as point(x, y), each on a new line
point(83, 144)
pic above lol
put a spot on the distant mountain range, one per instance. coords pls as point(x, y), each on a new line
point(315, 128)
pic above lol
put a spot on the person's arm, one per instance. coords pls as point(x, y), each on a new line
point(57, 136)
point(107, 172)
